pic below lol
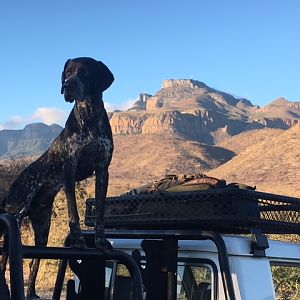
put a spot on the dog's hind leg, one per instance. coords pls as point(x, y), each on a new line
point(40, 219)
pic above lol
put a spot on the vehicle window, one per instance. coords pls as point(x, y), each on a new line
point(286, 279)
point(109, 270)
point(194, 282)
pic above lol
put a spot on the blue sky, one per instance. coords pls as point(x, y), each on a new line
point(248, 48)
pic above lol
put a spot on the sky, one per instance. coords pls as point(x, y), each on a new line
point(250, 49)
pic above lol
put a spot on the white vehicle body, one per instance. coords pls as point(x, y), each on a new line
point(251, 275)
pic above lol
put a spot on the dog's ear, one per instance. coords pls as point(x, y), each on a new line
point(105, 77)
point(63, 76)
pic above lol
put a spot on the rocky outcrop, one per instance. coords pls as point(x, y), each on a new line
point(171, 83)
point(161, 121)
point(143, 122)
point(199, 125)
point(127, 122)
point(284, 123)
point(141, 103)
point(280, 108)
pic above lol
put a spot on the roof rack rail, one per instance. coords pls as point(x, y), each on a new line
point(227, 210)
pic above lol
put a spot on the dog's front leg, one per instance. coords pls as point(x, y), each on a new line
point(101, 190)
point(76, 238)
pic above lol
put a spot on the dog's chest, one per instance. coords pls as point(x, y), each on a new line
point(87, 141)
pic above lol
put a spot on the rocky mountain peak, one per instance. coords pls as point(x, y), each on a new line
point(141, 102)
point(190, 94)
point(183, 83)
point(279, 101)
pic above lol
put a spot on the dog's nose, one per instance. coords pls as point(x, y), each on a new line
point(67, 85)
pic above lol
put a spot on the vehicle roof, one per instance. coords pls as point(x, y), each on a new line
point(236, 245)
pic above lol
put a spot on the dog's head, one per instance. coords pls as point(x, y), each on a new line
point(84, 77)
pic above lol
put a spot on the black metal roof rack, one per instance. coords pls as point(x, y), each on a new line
point(227, 210)
point(200, 215)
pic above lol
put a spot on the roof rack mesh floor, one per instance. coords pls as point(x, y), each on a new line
point(227, 210)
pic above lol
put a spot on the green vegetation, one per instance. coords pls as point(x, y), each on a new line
point(287, 282)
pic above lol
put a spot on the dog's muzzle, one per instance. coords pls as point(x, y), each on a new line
point(68, 90)
point(73, 89)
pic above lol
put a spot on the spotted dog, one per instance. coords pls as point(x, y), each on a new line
point(83, 147)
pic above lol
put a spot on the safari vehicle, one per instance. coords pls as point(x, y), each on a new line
point(188, 245)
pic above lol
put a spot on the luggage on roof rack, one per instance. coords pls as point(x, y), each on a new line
point(226, 210)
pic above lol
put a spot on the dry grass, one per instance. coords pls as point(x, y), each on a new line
point(242, 141)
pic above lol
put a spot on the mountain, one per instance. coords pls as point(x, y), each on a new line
point(191, 110)
point(34, 139)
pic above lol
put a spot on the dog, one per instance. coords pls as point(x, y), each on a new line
point(83, 147)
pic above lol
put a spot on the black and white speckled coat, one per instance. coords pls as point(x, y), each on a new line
point(83, 147)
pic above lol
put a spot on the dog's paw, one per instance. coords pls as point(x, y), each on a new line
point(78, 242)
point(104, 245)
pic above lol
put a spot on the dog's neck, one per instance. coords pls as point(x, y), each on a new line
point(88, 109)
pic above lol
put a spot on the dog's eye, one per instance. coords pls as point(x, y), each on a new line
point(83, 73)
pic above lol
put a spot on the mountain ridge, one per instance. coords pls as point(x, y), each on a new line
point(186, 109)
point(34, 139)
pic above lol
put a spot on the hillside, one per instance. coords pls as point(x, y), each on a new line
point(271, 164)
point(242, 141)
point(141, 158)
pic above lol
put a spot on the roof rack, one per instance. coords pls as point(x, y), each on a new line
point(226, 210)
